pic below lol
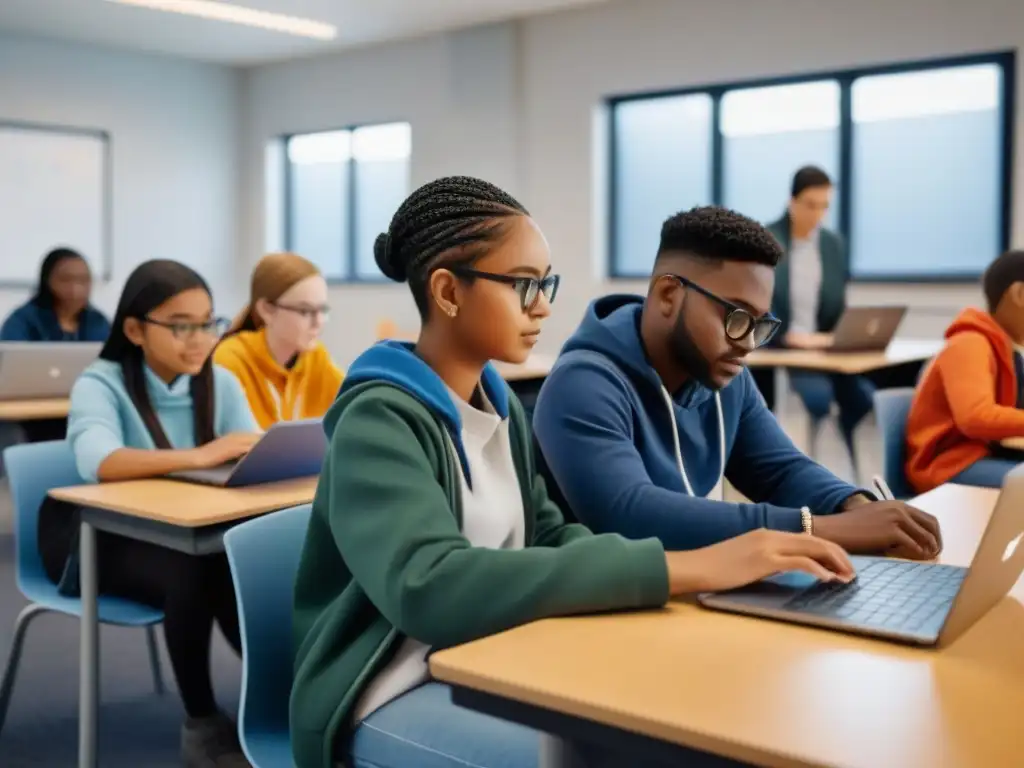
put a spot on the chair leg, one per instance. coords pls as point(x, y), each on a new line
point(813, 431)
point(154, 660)
point(28, 613)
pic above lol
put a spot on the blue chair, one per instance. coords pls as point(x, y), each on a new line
point(264, 557)
point(892, 406)
point(33, 470)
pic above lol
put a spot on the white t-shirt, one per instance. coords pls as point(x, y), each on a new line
point(492, 517)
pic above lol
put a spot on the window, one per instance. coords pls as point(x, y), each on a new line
point(341, 189)
point(662, 154)
point(767, 133)
point(920, 155)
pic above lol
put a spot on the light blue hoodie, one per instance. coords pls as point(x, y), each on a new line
point(624, 451)
point(103, 417)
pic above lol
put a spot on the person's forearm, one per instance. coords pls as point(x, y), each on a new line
point(135, 464)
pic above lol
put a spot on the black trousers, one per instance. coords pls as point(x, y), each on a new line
point(194, 592)
point(43, 430)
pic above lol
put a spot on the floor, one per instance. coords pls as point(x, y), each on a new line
point(138, 728)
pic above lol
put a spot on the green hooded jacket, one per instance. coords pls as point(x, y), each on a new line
point(384, 557)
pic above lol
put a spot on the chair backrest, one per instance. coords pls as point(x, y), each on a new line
point(264, 557)
point(892, 406)
point(33, 470)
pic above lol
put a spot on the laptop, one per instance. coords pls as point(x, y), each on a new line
point(924, 604)
point(37, 370)
point(866, 329)
point(289, 449)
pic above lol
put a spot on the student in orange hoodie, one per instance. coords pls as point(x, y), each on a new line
point(274, 346)
point(972, 395)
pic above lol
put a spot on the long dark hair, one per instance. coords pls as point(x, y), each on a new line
point(44, 293)
point(148, 286)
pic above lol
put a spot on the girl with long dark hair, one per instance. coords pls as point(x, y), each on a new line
point(153, 404)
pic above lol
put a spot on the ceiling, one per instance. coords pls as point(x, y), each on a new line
point(358, 21)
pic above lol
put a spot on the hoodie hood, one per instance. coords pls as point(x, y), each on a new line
point(395, 364)
point(973, 320)
point(611, 327)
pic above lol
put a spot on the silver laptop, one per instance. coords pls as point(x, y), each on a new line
point(921, 603)
point(866, 329)
point(37, 370)
point(289, 449)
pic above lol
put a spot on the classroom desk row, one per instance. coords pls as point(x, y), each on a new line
point(767, 693)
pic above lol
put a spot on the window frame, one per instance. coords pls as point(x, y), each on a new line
point(1005, 59)
point(349, 258)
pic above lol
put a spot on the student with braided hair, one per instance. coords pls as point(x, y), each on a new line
point(430, 525)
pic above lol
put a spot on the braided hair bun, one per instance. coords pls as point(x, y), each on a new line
point(450, 214)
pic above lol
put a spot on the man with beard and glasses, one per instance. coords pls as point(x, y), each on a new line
point(650, 408)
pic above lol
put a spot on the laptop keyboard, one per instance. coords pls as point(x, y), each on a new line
point(889, 594)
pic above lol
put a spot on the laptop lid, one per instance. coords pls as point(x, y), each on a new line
point(997, 564)
point(37, 370)
point(867, 328)
point(289, 449)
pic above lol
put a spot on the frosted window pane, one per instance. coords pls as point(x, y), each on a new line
point(769, 133)
point(381, 154)
point(662, 166)
point(927, 171)
point(318, 199)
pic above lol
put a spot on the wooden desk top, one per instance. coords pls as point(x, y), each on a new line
point(31, 410)
point(777, 694)
point(190, 505)
point(899, 351)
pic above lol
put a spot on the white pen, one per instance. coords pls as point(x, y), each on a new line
point(883, 488)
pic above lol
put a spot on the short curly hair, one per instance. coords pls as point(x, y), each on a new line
point(719, 234)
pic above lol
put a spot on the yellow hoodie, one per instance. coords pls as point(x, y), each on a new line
point(276, 393)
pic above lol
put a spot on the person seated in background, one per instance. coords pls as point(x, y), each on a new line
point(971, 395)
point(60, 309)
point(810, 297)
point(430, 525)
point(152, 404)
point(649, 408)
point(274, 346)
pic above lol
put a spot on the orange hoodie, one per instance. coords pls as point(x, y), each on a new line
point(276, 393)
point(966, 401)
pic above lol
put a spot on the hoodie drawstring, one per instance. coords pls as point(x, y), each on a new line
point(675, 439)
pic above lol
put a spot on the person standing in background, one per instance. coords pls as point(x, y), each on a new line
point(274, 347)
point(59, 311)
point(809, 299)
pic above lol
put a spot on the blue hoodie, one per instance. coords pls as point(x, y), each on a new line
point(603, 425)
point(35, 322)
point(395, 362)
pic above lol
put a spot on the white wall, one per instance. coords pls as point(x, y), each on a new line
point(174, 129)
point(520, 105)
point(459, 92)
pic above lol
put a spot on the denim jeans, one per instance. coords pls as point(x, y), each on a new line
point(424, 729)
point(853, 394)
point(986, 473)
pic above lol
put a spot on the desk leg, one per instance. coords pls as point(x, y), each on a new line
point(558, 753)
point(89, 662)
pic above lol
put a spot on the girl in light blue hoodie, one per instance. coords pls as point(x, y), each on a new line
point(154, 404)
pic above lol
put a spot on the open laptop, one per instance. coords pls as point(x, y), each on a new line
point(37, 370)
point(920, 603)
point(866, 329)
point(289, 449)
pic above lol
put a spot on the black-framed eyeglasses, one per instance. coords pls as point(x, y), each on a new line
point(528, 288)
point(306, 312)
point(184, 331)
point(739, 322)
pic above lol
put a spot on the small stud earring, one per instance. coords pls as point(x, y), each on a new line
point(453, 311)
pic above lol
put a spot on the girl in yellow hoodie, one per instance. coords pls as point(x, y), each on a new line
point(274, 346)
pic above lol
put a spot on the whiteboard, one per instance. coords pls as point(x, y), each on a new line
point(54, 191)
